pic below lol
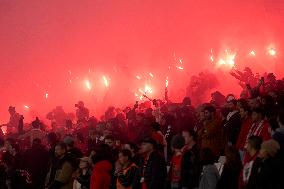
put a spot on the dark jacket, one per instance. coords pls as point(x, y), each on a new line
point(190, 168)
point(232, 128)
point(266, 174)
point(279, 137)
point(229, 178)
point(155, 172)
point(60, 174)
point(36, 162)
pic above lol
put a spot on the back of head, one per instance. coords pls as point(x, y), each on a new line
point(255, 142)
point(178, 142)
point(280, 117)
point(207, 156)
point(102, 152)
point(210, 108)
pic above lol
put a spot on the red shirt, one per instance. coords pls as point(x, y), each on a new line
point(176, 168)
point(246, 125)
point(101, 176)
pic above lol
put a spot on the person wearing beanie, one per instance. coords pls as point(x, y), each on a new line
point(174, 176)
point(267, 170)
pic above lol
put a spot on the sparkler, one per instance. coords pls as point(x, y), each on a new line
point(26, 107)
point(211, 56)
point(272, 52)
point(179, 67)
point(167, 82)
point(252, 53)
point(138, 77)
point(46, 95)
point(148, 89)
point(151, 75)
point(228, 60)
point(88, 84)
point(106, 82)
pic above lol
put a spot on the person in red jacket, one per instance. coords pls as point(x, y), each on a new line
point(246, 125)
point(102, 168)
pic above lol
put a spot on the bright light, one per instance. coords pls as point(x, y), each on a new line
point(151, 75)
point(228, 60)
point(180, 60)
point(138, 77)
point(106, 82)
point(46, 95)
point(26, 107)
point(211, 56)
point(148, 89)
point(179, 67)
point(252, 53)
point(272, 52)
point(167, 81)
point(88, 84)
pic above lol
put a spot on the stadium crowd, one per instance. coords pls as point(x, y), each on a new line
point(227, 143)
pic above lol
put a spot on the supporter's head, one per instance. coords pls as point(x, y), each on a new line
point(233, 158)
point(109, 140)
point(124, 157)
point(269, 149)
point(147, 146)
point(253, 103)
point(271, 78)
point(156, 126)
point(11, 145)
point(36, 124)
point(257, 115)
point(12, 110)
point(102, 152)
point(232, 104)
point(207, 157)
point(177, 142)
point(253, 145)
point(186, 101)
point(244, 94)
point(224, 113)
point(117, 144)
point(190, 136)
point(280, 118)
point(244, 111)
point(80, 104)
point(69, 141)
point(131, 146)
point(52, 138)
point(84, 163)
point(36, 142)
point(209, 112)
point(267, 101)
point(60, 150)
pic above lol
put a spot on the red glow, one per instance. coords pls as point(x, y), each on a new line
point(65, 51)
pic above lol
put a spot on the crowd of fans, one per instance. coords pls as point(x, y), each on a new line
point(228, 143)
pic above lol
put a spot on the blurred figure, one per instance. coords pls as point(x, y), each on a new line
point(210, 134)
point(102, 168)
point(126, 170)
point(279, 134)
point(83, 174)
point(210, 175)
point(231, 171)
point(252, 149)
point(267, 171)
point(82, 113)
point(190, 164)
point(36, 162)
point(152, 169)
point(60, 173)
point(174, 175)
point(13, 123)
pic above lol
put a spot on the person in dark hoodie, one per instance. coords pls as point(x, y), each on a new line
point(60, 174)
point(279, 134)
point(233, 123)
point(36, 163)
point(152, 170)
